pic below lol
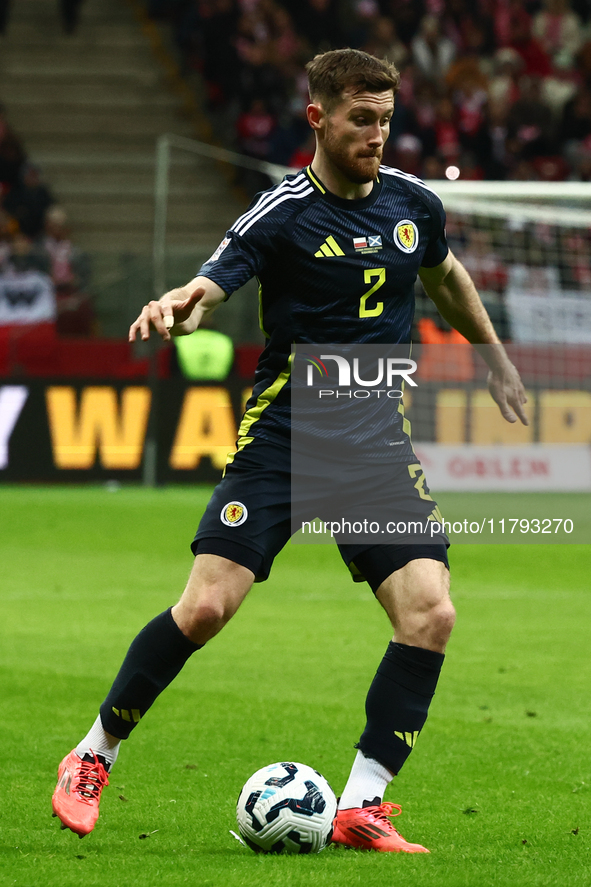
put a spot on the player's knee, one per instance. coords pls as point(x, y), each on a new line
point(210, 613)
point(429, 624)
point(214, 592)
point(202, 620)
point(442, 619)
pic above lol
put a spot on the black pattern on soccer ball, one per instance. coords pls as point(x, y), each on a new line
point(249, 808)
point(285, 780)
point(311, 803)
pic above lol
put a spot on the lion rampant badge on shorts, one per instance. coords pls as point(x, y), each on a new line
point(233, 514)
point(406, 236)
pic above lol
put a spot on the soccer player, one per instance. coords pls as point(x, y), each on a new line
point(308, 241)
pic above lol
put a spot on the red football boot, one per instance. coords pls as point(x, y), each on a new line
point(371, 829)
point(78, 792)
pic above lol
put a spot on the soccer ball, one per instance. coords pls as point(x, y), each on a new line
point(286, 807)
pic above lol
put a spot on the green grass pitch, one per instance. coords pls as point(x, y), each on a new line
point(499, 785)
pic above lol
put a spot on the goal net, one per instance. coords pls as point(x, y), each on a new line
point(527, 246)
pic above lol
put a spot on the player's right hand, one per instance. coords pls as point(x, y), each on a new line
point(506, 389)
point(177, 305)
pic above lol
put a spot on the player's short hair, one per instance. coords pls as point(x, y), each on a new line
point(331, 73)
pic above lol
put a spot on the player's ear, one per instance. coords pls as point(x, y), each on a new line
point(316, 115)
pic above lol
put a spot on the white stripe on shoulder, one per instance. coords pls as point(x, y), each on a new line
point(391, 171)
point(285, 188)
point(289, 196)
point(270, 195)
point(296, 184)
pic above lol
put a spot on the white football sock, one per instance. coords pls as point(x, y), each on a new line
point(368, 780)
point(99, 742)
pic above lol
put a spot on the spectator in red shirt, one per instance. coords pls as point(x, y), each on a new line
point(255, 128)
point(559, 31)
point(514, 28)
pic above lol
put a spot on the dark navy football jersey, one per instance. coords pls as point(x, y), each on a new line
point(330, 271)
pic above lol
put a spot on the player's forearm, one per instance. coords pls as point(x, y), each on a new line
point(208, 302)
point(458, 302)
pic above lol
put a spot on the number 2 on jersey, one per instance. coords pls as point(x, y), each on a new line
point(419, 485)
point(368, 276)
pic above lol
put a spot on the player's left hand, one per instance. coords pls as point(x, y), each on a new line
point(506, 389)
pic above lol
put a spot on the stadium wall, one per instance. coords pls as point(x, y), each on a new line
point(77, 430)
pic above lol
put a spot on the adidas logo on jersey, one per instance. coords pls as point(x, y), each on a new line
point(329, 248)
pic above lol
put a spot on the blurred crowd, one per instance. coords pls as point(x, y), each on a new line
point(43, 276)
point(517, 261)
point(497, 89)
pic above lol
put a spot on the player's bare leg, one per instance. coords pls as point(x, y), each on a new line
point(215, 590)
point(416, 599)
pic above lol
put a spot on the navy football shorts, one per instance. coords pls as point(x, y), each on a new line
point(249, 517)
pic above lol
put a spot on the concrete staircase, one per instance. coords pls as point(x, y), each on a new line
point(89, 108)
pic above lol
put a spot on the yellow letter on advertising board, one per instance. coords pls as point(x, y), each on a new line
point(206, 428)
point(565, 417)
point(117, 432)
point(450, 416)
point(490, 429)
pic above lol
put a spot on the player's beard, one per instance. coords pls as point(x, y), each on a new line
point(359, 167)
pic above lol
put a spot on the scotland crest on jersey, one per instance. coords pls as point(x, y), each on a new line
point(406, 236)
